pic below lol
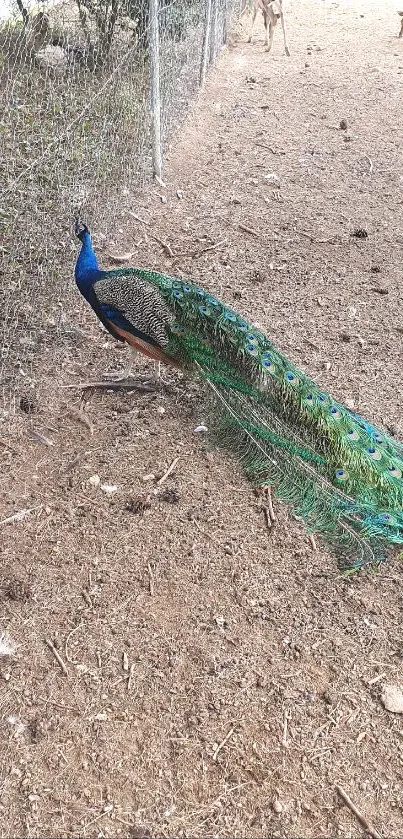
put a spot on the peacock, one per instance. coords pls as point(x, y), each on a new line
point(340, 475)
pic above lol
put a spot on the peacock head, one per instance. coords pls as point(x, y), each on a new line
point(80, 229)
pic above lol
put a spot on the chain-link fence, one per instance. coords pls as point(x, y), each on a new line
point(90, 93)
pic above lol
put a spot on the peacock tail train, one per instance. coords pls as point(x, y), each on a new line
point(340, 475)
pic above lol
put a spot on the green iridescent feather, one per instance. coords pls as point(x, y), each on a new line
point(341, 475)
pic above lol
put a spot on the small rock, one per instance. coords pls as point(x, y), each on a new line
point(170, 496)
point(380, 289)
point(27, 405)
point(277, 806)
point(94, 480)
point(200, 429)
point(149, 477)
point(375, 269)
point(272, 178)
point(18, 590)
point(109, 488)
point(138, 504)
point(392, 698)
point(161, 410)
point(343, 124)
point(360, 233)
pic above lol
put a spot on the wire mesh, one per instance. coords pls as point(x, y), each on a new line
point(75, 93)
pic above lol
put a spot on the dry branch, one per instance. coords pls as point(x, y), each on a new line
point(361, 818)
point(58, 658)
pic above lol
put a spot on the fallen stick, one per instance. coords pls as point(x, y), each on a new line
point(247, 229)
point(20, 516)
point(330, 241)
point(151, 580)
point(270, 148)
point(223, 742)
point(141, 220)
point(111, 386)
point(270, 505)
point(267, 518)
point(81, 416)
point(165, 246)
point(58, 658)
point(199, 251)
point(361, 818)
point(168, 472)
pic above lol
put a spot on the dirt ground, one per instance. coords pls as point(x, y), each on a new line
point(215, 678)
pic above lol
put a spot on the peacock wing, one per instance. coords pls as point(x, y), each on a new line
point(135, 305)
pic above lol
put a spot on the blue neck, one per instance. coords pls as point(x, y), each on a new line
point(86, 265)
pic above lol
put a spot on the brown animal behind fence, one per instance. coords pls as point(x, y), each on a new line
point(272, 11)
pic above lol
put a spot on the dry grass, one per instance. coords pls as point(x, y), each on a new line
point(217, 679)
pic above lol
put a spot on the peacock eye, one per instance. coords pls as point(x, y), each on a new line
point(395, 472)
point(341, 475)
point(374, 453)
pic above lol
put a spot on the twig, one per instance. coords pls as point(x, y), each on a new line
point(141, 220)
point(70, 660)
point(330, 241)
point(81, 416)
point(151, 579)
point(87, 598)
point(58, 658)
point(223, 742)
point(130, 678)
point(165, 246)
point(371, 165)
point(199, 251)
point(312, 541)
point(270, 505)
point(207, 535)
point(168, 472)
point(361, 818)
point(267, 518)
point(41, 437)
point(111, 386)
point(247, 229)
point(270, 148)
point(20, 516)
point(376, 679)
point(285, 729)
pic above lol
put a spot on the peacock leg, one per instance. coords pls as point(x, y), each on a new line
point(128, 370)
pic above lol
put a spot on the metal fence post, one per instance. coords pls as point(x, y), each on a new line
point(206, 43)
point(155, 88)
point(214, 31)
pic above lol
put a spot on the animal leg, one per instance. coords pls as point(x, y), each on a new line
point(287, 51)
point(401, 28)
point(266, 23)
point(254, 13)
point(271, 33)
point(128, 370)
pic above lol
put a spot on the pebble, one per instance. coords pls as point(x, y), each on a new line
point(392, 698)
point(277, 806)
